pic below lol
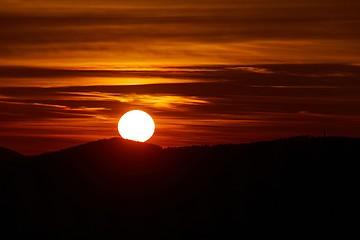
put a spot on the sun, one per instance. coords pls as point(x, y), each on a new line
point(136, 125)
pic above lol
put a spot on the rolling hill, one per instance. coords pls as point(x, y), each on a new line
point(113, 189)
point(7, 154)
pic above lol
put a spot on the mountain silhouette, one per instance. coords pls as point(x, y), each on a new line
point(7, 154)
point(118, 189)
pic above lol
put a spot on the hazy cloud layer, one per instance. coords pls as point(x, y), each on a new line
point(142, 33)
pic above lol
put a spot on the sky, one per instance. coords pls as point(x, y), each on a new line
point(209, 72)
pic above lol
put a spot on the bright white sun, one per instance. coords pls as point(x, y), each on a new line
point(136, 125)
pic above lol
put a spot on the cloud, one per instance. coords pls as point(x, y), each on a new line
point(148, 33)
point(224, 104)
point(214, 71)
point(248, 74)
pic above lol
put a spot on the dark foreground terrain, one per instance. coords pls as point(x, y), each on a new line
point(301, 187)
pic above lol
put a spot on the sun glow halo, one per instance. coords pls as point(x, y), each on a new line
point(136, 125)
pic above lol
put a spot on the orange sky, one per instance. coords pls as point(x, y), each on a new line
point(208, 71)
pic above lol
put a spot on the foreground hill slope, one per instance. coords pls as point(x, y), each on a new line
point(7, 154)
point(113, 189)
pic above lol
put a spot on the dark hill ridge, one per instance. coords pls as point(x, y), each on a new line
point(113, 189)
point(7, 154)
